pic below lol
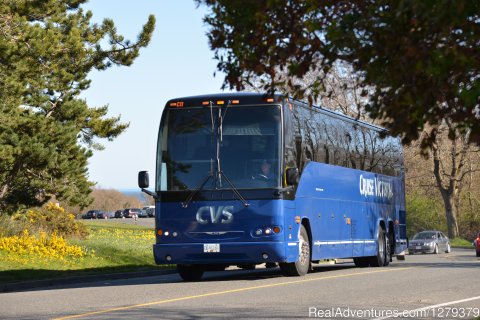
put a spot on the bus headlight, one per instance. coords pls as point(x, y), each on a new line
point(266, 231)
point(167, 233)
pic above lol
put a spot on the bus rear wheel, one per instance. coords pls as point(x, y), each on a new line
point(302, 265)
point(380, 258)
point(190, 272)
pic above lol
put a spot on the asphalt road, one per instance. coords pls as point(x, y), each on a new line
point(444, 286)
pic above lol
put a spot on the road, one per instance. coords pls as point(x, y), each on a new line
point(421, 281)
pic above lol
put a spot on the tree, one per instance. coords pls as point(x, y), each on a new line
point(111, 200)
point(449, 167)
point(420, 58)
point(47, 133)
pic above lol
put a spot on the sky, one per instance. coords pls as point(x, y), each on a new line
point(177, 63)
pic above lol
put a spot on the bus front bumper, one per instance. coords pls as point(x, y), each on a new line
point(230, 253)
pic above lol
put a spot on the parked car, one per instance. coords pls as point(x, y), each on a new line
point(429, 242)
point(92, 214)
point(476, 244)
point(118, 214)
point(102, 215)
point(142, 214)
point(149, 211)
point(130, 212)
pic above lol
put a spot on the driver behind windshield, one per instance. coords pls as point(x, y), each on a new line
point(265, 172)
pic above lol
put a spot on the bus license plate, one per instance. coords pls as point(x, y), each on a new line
point(418, 247)
point(211, 247)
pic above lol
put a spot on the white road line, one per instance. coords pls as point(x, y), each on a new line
point(418, 311)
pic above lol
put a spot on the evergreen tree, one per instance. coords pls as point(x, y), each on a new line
point(47, 133)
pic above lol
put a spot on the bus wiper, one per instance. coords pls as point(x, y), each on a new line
point(220, 173)
point(234, 189)
point(192, 194)
point(197, 190)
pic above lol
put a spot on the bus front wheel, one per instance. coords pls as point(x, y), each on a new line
point(190, 272)
point(302, 265)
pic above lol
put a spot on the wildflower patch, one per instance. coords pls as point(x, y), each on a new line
point(43, 246)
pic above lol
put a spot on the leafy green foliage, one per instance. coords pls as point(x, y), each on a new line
point(47, 133)
point(424, 213)
point(418, 61)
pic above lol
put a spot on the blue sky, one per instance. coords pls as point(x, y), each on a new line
point(178, 62)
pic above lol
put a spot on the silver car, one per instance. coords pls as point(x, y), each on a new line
point(429, 242)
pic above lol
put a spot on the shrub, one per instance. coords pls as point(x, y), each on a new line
point(52, 219)
point(53, 247)
point(9, 227)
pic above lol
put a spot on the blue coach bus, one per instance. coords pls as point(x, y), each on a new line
point(246, 179)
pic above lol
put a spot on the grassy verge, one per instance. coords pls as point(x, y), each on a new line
point(461, 243)
point(110, 247)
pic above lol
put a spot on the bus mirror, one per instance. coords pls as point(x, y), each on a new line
point(292, 176)
point(143, 180)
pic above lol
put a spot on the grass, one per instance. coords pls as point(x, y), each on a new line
point(461, 243)
point(111, 247)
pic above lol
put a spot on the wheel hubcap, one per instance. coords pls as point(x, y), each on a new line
point(381, 246)
point(304, 251)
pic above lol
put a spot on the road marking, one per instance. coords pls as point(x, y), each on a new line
point(419, 310)
point(230, 291)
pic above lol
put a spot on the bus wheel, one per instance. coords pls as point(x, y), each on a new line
point(388, 249)
point(302, 265)
point(190, 272)
point(379, 259)
point(361, 262)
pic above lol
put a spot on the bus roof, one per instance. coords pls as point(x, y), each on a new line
point(249, 98)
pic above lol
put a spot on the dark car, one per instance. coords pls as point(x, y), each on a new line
point(102, 215)
point(93, 214)
point(131, 212)
point(118, 214)
point(429, 242)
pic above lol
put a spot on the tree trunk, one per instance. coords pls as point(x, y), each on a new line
point(451, 214)
point(449, 191)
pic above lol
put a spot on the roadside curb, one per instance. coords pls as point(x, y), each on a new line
point(26, 285)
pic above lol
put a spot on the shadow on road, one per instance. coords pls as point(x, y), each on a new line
point(460, 259)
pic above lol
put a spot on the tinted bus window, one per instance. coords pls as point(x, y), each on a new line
point(248, 142)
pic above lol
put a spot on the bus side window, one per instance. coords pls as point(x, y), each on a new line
point(289, 132)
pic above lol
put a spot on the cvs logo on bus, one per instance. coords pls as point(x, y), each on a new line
point(212, 214)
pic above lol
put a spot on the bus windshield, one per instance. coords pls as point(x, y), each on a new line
point(247, 143)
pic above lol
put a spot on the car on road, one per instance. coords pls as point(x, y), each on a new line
point(131, 212)
point(431, 241)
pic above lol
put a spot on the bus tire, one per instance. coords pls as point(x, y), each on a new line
point(190, 272)
point(388, 249)
point(379, 259)
point(302, 265)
